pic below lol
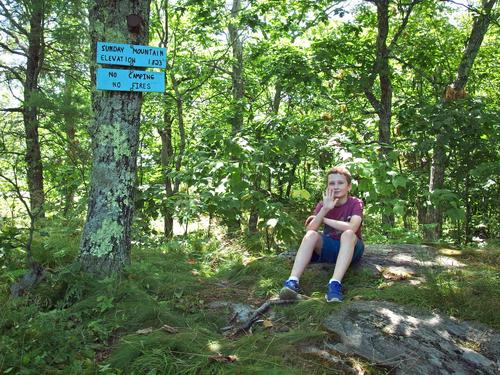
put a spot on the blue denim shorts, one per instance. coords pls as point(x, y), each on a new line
point(331, 248)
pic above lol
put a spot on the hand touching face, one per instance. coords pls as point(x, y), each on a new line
point(339, 185)
point(329, 200)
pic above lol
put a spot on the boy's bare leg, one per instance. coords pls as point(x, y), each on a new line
point(312, 241)
point(347, 243)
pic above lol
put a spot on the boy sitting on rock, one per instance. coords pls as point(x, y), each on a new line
point(340, 242)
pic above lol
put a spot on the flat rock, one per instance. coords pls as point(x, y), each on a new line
point(409, 341)
point(405, 255)
point(397, 261)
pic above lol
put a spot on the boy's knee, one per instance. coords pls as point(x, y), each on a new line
point(348, 235)
point(312, 234)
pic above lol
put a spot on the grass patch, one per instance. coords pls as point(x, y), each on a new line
point(75, 324)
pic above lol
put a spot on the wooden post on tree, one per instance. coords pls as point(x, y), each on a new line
point(114, 131)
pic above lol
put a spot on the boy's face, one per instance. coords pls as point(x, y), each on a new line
point(338, 183)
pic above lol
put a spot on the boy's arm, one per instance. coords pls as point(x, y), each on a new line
point(313, 222)
point(328, 203)
point(342, 226)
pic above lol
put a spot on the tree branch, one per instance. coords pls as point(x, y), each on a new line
point(11, 19)
point(233, 331)
point(13, 71)
point(373, 100)
point(15, 37)
point(403, 24)
point(479, 29)
point(18, 109)
point(6, 47)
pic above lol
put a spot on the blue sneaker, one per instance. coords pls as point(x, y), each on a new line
point(290, 290)
point(334, 292)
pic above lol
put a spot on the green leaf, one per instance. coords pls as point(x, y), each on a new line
point(399, 181)
point(302, 194)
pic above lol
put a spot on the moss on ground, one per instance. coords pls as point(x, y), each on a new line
point(155, 318)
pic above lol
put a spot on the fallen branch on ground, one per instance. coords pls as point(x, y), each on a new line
point(231, 331)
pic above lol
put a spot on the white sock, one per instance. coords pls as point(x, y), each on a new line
point(332, 279)
point(294, 278)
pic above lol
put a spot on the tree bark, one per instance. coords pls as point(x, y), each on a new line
point(385, 104)
point(166, 157)
point(71, 147)
point(167, 150)
point(30, 110)
point(454, 91)
point(382, 106)
point(237, 71)
point(114, 131)
point(479, 29)
point(179, 104)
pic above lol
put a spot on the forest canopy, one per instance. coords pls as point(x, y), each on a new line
point(143, 224)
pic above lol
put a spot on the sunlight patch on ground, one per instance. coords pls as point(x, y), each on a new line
point(448, 262)
point(180, 229)
point(450, 252)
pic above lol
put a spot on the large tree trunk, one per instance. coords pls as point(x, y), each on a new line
point(454, 91)
point(237, 72)
point(30, 110)
point(114, 131)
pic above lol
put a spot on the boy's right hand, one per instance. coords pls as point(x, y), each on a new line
point(328, 199)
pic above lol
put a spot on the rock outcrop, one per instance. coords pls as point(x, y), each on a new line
point(411, 341)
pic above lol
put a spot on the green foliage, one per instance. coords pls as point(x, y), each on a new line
point(305, 71)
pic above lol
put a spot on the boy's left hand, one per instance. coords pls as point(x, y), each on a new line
point(309, 219)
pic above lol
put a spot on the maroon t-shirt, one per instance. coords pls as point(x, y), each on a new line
point(353, 206)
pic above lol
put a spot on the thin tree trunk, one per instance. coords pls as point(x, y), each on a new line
point(234, 224)
point(277, 97)
point(167, 150)
point(468, 211)
point(30, 111)
point(71, 146)
point(182, 131)
point(291, 179)
point(381, 68)
point(434, 216)
point(383, 106)
point(455, 91)
point(237, 71)
point(166, 157)
point(106, 239)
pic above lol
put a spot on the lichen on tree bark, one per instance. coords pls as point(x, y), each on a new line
point(106, 239)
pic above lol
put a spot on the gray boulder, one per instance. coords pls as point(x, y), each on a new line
point(410, 341)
